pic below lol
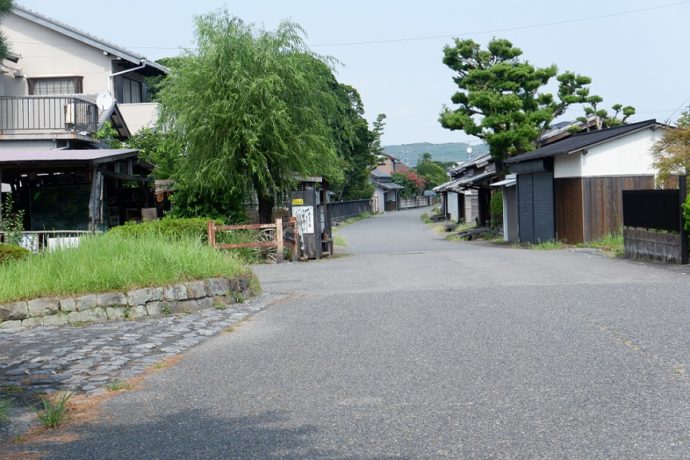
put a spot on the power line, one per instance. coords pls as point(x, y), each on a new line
point(668, 120)
point(506, 29)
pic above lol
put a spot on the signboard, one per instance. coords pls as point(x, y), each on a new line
point(297, 201)
point(305, 218)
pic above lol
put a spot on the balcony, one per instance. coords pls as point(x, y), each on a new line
point(47, 115)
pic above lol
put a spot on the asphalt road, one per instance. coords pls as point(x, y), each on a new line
point(415, 347)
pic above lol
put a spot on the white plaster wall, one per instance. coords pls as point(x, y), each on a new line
point(627, 156)
point(567, 165)
point(378, 203)
point(46, 53)
point(453, 206)
point(141, 115)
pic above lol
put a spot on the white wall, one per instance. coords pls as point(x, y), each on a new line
point(46, 53)
point(471, 206)
point(141, 115)
point(378, 203)
point(453, 206)
point(32, 145)
point(567, 165)
point(627, 156)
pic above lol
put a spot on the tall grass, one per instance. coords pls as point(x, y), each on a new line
point(114, 262)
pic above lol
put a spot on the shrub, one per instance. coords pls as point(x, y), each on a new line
point(11, 223)
point(11, 252)
point(170, 227)
point(496, 206)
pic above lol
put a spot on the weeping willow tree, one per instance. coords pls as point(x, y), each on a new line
point(251, 108)
point(5, 7)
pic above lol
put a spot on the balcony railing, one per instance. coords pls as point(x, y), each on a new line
point(47, 113)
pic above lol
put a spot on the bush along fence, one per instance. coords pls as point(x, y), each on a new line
point(177, 298)
point(653, 224)
point(341, 210)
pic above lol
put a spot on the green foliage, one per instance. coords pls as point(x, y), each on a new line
point(5, 7)
point(252, 108)
point(672, 152)
point(108, 135)
point(501, 98)
point(113, 262)
point(411, 182)
point(379, 125)
point(353, 139)
point(432, 171)
point(54, 411)
point(604, 119)
point(221, 205)
point(11, 252)
point(169, 227)
point(11, 222)
point(164, 151)
point(496, 206)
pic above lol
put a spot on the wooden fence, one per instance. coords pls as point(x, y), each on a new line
point(268, 236)
point(654, 227)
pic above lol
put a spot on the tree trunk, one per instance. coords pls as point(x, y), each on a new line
point(266, 204)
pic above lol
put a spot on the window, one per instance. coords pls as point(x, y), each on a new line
point(57, 85)
point(128, 90)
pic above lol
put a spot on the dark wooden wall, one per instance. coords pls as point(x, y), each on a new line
point(603, 202)
point(568, 209)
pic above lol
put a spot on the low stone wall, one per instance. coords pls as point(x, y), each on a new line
point(177, 298)
point(652, 245)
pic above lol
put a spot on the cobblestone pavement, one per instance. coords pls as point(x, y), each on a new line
point(87, 358)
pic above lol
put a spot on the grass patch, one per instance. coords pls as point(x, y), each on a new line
point(54, 410)
point(340, 240)
point(426, 218)
point(611, 243)
point(114, 262)
point(117, 385)
point(547, 245)
point(4, 410)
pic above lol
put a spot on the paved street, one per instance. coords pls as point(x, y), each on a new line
point(414, 347)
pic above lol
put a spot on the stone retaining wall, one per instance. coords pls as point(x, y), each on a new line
point(177, 298)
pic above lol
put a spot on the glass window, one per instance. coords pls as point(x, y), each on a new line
point(48, 86)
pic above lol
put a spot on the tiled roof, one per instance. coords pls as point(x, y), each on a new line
point(581, 141)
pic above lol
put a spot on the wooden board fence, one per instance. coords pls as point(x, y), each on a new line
point(276, 241)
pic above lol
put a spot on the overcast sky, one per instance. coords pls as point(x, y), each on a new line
point(638, 58)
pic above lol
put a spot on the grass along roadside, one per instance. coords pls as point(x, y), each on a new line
point(339, 240)
point(114, 262)
point(611, 244)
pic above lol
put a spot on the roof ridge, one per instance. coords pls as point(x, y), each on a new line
point(17, 6)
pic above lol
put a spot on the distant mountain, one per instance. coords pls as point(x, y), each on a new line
point(410, 154)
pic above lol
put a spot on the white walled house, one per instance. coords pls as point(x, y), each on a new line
point(571, 190)
point(55, 59)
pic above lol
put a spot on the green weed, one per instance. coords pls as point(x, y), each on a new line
point(54, 411)
point(117, 385)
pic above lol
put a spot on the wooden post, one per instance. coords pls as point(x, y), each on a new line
point(683, 192)
point(279, 240)
point(212, 233)
point(295, 237)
